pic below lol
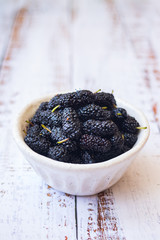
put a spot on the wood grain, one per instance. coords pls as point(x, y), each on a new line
point(128, 81)
point(7, 15)
point(61, 45)
point(35, 211)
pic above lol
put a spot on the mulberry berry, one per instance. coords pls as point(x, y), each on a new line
point(55, 101)
point(105, 99)
point(126, 148)
point(58, 153)
point(73, 99)
point(57, 135)
point(33, 130)
point(94, 143)
point(83, 97)
point(117, 141)
point(100, 128)
point(130, 139)
point(70, 123)
point(56, 118)
point(43, 106)
point(38, 144)
point(87, 157)
point(93, 111)
point(130, 125)
point(75, 157)
point(101, 157)
point(42, 117)
point(46, 134)
point(118, 115)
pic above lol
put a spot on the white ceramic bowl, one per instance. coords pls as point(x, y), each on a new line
point(79, 179)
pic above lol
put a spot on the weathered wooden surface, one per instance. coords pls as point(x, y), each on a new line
point(61, 45)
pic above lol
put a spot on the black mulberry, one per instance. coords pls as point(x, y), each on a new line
point(42, 117)
point(87, 157)
point(93, 111)
point(94, 143)
point(58, 153)
point(70, 123)
point(38, 144)
point(118, 115)
point(117, 141)
point(33, 130)
point(126, 148)
point(75, 157)
point(130, 139)
point(100, 128)
point(105, 99)
point(46, 134)
point(74, 99)
point(130, 125)
point(101, 157)
point(57, 135)
point(56, 118)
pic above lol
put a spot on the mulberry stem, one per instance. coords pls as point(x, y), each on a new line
point(55, 108)
point(27, 121)
point(98, 90)
point(62, 141)
point(141, 127)
point(25, 132)
point(46, 128)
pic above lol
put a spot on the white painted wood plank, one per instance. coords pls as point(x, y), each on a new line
point(143, 177)
point(8, 11)
point(36, 62)
point(137, 199)
point(122, 71)
point(141, 27)
point(93, 69)
point(29, 208)
point(96, 51)
point(101, 219)
point(87, 212)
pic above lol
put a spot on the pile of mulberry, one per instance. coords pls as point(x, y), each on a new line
point(81, 127)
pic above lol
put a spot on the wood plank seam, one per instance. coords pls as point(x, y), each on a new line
point(13, 42)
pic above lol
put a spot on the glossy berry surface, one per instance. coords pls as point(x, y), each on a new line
point(118, 115)
point(58, 153)
point(71, 124)
point(38, 144)
point(130, 139)
point(130, 125)
point(117, 141)
point(100, 128)
point(74, 99)
point(93, 111)
point(87, 157)
point(105, 99)
point(94, 143)
point(57, 135)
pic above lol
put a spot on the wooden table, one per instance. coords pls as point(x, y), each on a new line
point(60, 45)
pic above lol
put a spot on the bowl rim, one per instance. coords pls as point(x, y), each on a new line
point(17, 135)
